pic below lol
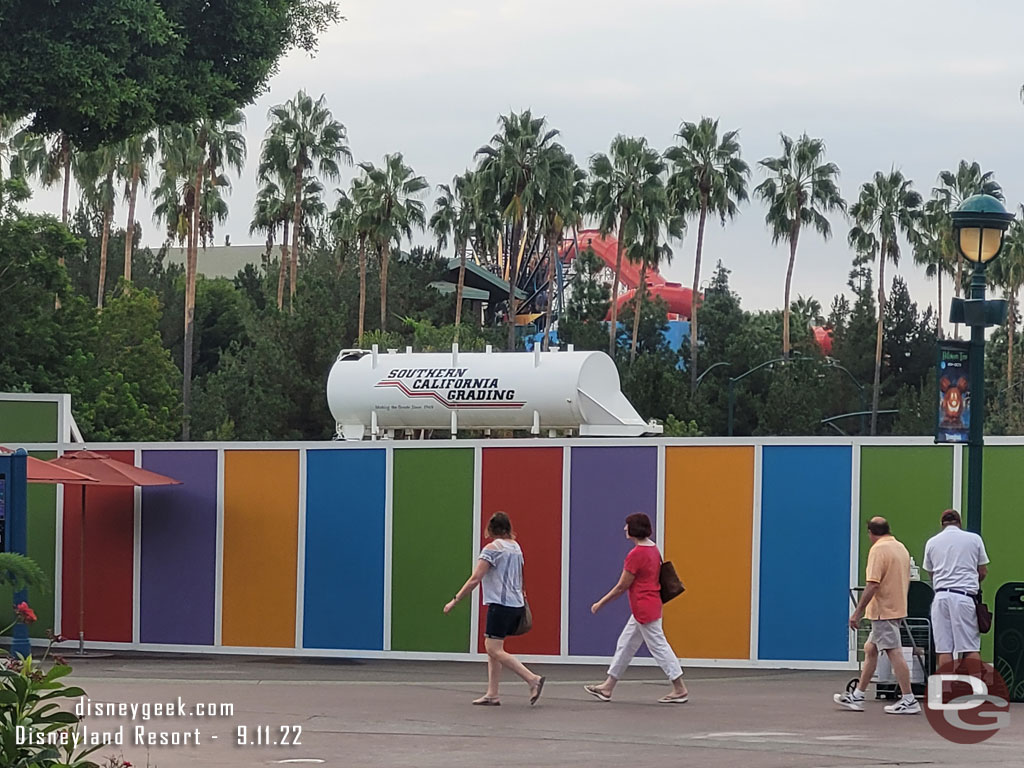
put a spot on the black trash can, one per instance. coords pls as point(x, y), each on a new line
point(1009, 637)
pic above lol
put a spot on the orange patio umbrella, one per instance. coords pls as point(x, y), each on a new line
point(109, 473)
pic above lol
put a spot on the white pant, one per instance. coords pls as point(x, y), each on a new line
point(635, 633)
point(955, 624)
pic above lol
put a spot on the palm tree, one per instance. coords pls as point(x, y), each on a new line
point(933, 246)
point(136, 155)
point(303, 136)
point(955, 187)
point(453, 218)
point(655, 216)
point(1008, 272)
point(393, 209)
point(188, 197)
point(808, 310)
point(47, 160)
point(800, 190)
point(365, 231)
point(510, 172)
point(94, 172)
point(619, 184)
point(708, 174)
point(269, 213)
point(887, 207)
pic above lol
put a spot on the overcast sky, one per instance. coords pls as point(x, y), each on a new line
point(918, 84)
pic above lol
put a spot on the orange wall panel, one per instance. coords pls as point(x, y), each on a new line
point(709, 503)
point(261, 519)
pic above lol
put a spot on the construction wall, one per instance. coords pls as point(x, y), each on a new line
point(352, 549)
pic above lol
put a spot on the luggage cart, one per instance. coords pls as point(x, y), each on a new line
point(916, 637)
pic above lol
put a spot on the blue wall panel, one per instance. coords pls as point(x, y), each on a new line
point(344, 589)
point(805, 553)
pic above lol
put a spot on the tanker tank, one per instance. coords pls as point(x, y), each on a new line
point(375, 393)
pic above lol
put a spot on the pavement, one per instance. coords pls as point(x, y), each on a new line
point(388, 713)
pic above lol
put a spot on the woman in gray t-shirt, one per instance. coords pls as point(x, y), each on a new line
point(500, 572)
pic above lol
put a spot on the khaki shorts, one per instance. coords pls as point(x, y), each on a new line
point(885, 634)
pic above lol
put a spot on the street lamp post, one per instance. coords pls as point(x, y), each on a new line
point(708, 370)
point(833, 363)
point(978, 228)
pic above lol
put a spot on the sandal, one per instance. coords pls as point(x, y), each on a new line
point(487, 701)
point(536, 694)
point(674, 698)
point(597, 693)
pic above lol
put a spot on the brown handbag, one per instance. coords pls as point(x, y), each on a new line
point(671, 585)
point(525, 622)
point(983, 613)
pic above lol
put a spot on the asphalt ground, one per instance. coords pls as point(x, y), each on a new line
point(376, 713)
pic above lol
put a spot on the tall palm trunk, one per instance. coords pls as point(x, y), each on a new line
point(939, 332)
point(284, 266)
point(878, 339)
point(1011, 330)
point(638, 303)
point(793, 240)
point(695, 293)
point(108, 214)
point(958, 286)
point(296, 229)
point(613, 327)
point(65, 156)
point(129, 236)
point(190, 310)
point(459, 287)
point(362, 290)
point(385, 256)
point(552, 255)
point(515, 254)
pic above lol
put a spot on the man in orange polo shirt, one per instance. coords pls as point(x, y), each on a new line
point(884, 602)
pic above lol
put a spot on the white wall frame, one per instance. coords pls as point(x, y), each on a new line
point(755, 560)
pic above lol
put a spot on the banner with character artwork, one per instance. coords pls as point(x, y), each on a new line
point(954, 393)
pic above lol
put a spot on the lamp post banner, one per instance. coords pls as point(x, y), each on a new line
point(953, 417)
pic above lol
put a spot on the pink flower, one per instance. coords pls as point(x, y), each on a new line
point(25, 614)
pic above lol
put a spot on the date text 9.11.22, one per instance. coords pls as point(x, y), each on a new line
point(268, 736)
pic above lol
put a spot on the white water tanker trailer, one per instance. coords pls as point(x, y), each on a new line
point(376, 393)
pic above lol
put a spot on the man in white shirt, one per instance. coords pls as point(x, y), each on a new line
point(957, 561)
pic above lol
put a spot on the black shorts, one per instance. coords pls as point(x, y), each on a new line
point(502, 620)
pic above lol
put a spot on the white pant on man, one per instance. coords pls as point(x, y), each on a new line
point(635, 633)
point(955, 624)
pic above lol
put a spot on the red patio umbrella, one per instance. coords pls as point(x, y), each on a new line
point(109, 473)
point(40, 471)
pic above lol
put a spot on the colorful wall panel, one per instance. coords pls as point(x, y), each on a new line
point(1002, 516)
point(261, 514)
point(910, 486)
point(28, 421)
point(709, 508)
point(607, 484)
point(109, 536)
point(344, 574)
point(178, 571)
point(805, 553)
point(526, 483)
point(432, 547)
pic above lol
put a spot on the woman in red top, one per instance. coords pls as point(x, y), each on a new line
point(640, 577)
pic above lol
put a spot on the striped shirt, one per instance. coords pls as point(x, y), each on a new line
point(502, 584)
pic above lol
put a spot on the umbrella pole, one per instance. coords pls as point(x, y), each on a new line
point(81, 578)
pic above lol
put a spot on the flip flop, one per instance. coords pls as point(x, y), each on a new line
point(540, 687)
point(596, 693)
point(484, 701)
point(674, 699)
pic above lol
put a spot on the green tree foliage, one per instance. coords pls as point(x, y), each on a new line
point(102, 72)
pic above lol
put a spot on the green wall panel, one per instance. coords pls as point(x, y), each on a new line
point(42, 536)
point(1002, 522)
point(27, 421)
point(910, 486)
point(432, 548)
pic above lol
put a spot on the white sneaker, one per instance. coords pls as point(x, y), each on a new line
point(904, 707)
point(849, 701)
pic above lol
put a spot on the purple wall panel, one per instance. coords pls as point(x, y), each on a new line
point(179, 549)
point(606, 485)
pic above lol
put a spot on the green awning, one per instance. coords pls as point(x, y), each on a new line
point(470, 294)
point(478, 277)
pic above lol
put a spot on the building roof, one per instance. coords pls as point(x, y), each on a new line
point(478, 277)
point(469, 294)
